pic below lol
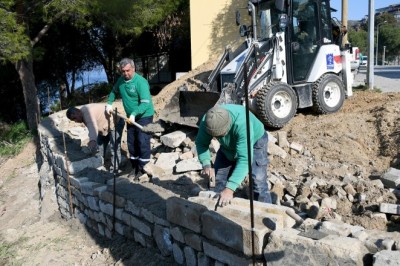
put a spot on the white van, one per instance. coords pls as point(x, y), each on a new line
point(364, 62)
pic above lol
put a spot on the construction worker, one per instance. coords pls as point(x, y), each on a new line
point(227, 123)
point(101, 129)
point(136, 98)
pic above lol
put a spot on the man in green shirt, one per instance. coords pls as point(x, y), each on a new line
point(134, 91)
point(227, 123)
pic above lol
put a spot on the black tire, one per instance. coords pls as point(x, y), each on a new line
point(328, 94)
point(276, 104)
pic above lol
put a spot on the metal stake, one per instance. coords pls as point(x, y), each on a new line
point(246, 93)
point(115, 164)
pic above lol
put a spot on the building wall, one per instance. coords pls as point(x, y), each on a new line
point(213, 27)
point(392, 9)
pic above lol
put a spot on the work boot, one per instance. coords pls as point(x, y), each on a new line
point(139, 173)
point(133, 176)
point(111, 170)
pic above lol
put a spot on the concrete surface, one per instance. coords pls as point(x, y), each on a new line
point(386, 78)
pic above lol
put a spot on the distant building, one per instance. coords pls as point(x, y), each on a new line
point(392, 9)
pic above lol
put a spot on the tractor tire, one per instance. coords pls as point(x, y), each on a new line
point(328, 94)
point(276, 104)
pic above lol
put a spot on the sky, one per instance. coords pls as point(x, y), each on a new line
point(357, 9)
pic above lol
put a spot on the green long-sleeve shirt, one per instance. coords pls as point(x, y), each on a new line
point(135, 95)
point(233, 144)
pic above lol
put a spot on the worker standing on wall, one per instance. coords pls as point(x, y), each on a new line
point(134, 91)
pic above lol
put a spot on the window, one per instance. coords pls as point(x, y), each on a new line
point(326, 31)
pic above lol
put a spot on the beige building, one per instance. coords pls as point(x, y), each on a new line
point(213, 27)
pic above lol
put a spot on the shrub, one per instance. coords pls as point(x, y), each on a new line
point(13, 138)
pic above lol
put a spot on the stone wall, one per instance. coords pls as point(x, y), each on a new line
point(193, 230)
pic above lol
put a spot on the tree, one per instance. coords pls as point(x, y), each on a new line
point(59, 60)
point(117, 26)
point(389, 18)
point(12, 106)
point(26, 22)
point(389, 35)
point(358, 39)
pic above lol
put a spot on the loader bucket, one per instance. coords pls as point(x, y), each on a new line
point(187, 107)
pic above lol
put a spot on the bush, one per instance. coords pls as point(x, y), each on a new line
point(13, 138)
point(97, 92)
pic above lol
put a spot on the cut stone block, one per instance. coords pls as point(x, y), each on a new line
point(185, 213)
point(288, 248)
point(391, 178)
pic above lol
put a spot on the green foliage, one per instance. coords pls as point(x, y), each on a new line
point(359, 39)
point(96, 93)
point(101, 90)
point(365, 88)
point(14, 44)
point(56, 106)
point(7, 252)
point(66, 37)
point(389, 36)
point(132, 16)
point(387, 18)
point(13, 138)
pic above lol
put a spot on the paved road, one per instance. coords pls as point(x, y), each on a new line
point(386, 78)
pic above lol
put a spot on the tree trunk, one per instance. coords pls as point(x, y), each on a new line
point(109, 74)
point(25, 72)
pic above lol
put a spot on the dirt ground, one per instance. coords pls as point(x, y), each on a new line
point(361, 140)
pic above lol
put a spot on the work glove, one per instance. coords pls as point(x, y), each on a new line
point(109, 109)
point(131, 120)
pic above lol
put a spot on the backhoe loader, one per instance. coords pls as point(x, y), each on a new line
point(293, 58)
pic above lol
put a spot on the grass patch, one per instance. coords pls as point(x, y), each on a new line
point(58, 243)
point(7, 252)
point(9, 177)
point(53, 244)
point(13, 138)
point(58, 240)
point(366, 88)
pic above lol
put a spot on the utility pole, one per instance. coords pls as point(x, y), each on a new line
point(377, 41)
point(344, 19)
point(371, 23)
point(383, 56)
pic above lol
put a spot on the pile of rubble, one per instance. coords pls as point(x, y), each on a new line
point(342, 204)
point(316, 197)
point(350, 198)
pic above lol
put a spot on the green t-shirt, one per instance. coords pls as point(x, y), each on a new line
point(135, 95)
point(233, 144)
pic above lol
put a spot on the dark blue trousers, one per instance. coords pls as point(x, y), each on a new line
point(139, 144)
point(224, 168)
